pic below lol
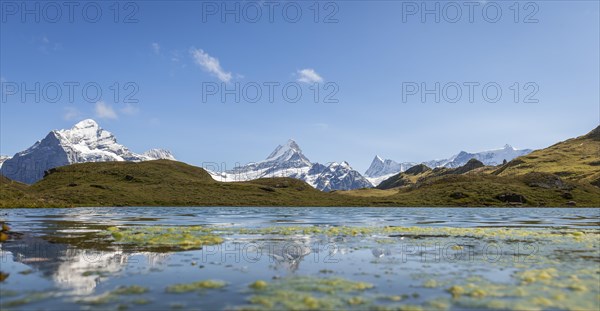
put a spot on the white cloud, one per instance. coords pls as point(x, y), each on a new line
point(129, 109)
point(309, 75)
point(105, 111)
point(156, 48)
point(71, 113)
point(210, 64)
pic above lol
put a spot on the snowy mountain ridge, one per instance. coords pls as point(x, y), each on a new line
point(381, 170)
point(288, 161)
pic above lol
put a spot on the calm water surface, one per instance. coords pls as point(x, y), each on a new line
point(308, 258)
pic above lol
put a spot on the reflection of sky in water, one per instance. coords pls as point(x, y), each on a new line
point(396, 264)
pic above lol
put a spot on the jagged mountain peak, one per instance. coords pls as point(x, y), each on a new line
point(87, 132)
point(290, 151)
point(336, 165)
point(508, 147)
point(292, 145)
point(87, 123)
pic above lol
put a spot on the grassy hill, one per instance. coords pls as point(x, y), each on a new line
point(170, 183)
point(565, 174)
point(576, 159)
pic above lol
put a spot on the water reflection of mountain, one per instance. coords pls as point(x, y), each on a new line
point(76, 270)
point(287, 255)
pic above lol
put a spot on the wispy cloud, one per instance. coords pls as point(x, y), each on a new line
point(210, 64)
point(46, 46)
point(129, 109)
point(71, 113)
point(309, 75)
point(104, 111)
point(156, 48)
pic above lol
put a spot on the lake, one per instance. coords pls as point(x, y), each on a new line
point(229, 258)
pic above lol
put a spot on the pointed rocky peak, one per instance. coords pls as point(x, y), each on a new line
point(87, 123)
point(288, 152)
point(508, 147)
point(291, 144)
point(377, 165)
point(87, 132)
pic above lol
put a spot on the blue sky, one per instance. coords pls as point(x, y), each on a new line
point(174, 48)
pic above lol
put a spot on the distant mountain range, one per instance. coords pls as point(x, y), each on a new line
point(88, 142)
point(381, 170)
point(288, 161)
point(85, 142)
point(564, 174)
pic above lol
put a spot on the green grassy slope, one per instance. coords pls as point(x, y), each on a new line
point(487, 190)
point(576, 159)
point(170, 183)
point(16, 194)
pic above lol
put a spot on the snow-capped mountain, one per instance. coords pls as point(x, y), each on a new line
point(2, 159)
point(85, 142)
point(339, 176)
point(490, 157)
point(156, 154)
point(285, 161)
point(288, 161)
point(381, 170)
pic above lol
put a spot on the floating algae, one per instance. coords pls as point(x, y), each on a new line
point(161, 236)
point(115, 296)
point(309, 293)
point(130, 290)
point(260, 284)
point(29, 298)
point(196, 286)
